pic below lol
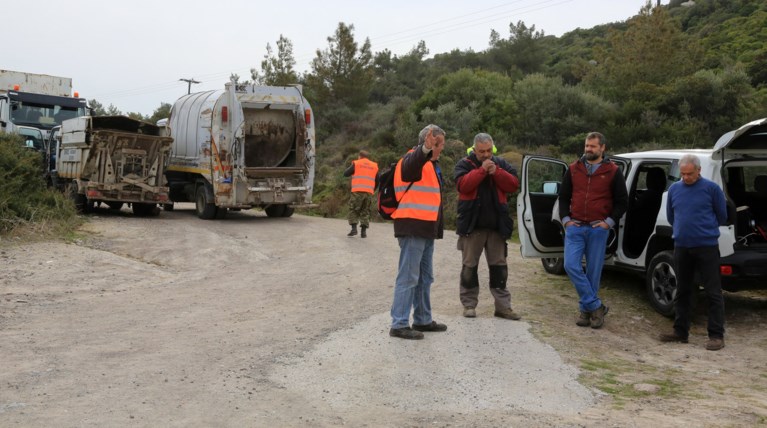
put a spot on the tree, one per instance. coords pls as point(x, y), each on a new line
point(162, 112)
point(520, 54)
point(653, 50)
point(343, 72)
point(277, 70)
point(97, 109)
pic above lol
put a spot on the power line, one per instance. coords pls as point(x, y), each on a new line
point(189, 81)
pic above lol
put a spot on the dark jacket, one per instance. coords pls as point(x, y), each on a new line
point(588, 198)
point(412, 168)
point(471, 180)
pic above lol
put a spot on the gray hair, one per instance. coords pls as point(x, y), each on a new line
point(690, 159)
point(598, 136)
point(435, 131)
point(483, 138)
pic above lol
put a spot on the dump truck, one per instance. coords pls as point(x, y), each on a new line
point(114, 160)
point(243, 147)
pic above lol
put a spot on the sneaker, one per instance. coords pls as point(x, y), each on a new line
point(469, 312)
point(672, 337)
point(584, 319)
point(715, 343)
point(508, 314)
point(598, 316)
point(434, 326)
point(405, 333)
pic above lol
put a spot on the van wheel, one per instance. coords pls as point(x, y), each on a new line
point(554, 265)
point(205, 208)
point(661, 283)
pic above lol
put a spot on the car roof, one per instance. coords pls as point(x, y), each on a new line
point(666, 154)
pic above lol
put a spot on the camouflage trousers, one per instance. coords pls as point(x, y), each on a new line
point(359, 208)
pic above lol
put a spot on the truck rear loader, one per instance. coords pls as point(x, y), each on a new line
point(240, 148)
point(115, 160)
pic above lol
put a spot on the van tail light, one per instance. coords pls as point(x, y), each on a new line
point(225, 114)
point(308, 117)
point(725, 270)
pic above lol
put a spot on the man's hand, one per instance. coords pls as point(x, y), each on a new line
point(489, 166)
point(429, 141)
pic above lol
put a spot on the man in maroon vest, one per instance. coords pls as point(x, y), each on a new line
point(592, 199)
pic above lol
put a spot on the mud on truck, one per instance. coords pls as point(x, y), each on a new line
point(112, 159)
point(240, 148)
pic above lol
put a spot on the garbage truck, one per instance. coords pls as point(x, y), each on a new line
point(243, 147)
point(114, 160)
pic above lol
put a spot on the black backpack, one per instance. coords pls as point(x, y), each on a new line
point(387, 198)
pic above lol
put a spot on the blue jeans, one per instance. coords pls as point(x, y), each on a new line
point(413, 285)
point(591, 241)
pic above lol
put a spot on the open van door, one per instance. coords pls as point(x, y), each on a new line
point(539, 235)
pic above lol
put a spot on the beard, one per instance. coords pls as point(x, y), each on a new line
point(591, 156)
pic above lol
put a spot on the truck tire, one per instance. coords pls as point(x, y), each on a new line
point(146, 210)
point(80, 201)
point(288, 211)
point(661, 283)
point(204, 206)
point(275, 210)
point(114, 205)
point(220, 213)
point(167, 207)
point(554, 265)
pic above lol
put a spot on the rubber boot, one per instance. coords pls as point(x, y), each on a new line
point(363, 233)
point(353, 231)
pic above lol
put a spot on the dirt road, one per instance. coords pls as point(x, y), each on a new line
point(253, 321)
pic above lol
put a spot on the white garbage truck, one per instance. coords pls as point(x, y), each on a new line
point(240, 148)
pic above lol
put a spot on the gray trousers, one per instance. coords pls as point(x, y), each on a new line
point(495, 248)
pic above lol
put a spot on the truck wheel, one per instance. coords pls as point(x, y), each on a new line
point(146, 210)
point(661, 283)
point(80, 201)
point(275, 210)
point(288, 211)
point(220, 213)
point(554, 265)
point(205, 209)
point(114, 205)
point(167, 207)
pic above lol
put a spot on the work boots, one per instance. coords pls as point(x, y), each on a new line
point(364, 234)
point(354, 230)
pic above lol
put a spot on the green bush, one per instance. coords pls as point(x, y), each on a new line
point(26, 205)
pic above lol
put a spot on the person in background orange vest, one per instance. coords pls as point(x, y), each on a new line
point(364, 173)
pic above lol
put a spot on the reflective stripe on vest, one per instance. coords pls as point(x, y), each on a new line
point(422, 201)
point(364, 178)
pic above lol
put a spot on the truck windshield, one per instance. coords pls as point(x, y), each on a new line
point(43, 116)
point(44, 111)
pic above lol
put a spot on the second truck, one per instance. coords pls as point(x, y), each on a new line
point(242, 147)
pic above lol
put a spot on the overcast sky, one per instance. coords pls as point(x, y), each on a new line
point(133, 53)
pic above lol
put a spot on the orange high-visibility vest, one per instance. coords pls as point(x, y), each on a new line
point(364, 178)
point(422, 200)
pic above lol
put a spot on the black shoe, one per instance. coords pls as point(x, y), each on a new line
point(434, 326)
point(353, 231)
point(405, 333)
point(363, 233)
point(672, 337)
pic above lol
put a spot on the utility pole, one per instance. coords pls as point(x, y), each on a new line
point(189, 81)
